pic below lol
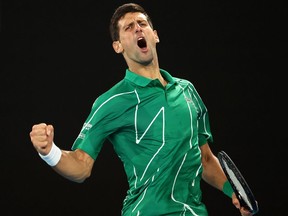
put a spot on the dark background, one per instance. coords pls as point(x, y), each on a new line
point(57, 58)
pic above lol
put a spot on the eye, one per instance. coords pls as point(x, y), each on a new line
point(143, 23)
point(127, 27)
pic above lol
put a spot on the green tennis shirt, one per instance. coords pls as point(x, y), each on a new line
point(156, 131)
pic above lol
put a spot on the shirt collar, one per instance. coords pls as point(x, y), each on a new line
point(144, 81)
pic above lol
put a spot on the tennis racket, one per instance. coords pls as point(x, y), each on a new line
point(238, 183)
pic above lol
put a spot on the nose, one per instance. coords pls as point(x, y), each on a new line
point(138, 27)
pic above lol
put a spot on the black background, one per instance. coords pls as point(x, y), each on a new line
point(57, 58)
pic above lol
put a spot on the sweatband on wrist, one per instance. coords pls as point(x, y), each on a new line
point(53, 157)
point(227, 189)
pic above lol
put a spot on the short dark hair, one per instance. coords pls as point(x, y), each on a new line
point(120, 12)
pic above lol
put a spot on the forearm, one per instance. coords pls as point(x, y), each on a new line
point(74, 166)
point(213, 173)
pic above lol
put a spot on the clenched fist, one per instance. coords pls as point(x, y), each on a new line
point(42, 136)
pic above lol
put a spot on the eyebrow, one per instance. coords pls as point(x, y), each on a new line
point(140, 20)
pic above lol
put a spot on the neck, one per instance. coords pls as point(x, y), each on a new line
point(149, 72)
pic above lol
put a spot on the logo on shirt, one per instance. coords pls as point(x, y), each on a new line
point(87, 126)
point(189, 100)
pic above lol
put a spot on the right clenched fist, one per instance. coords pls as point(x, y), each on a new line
point(41, 137)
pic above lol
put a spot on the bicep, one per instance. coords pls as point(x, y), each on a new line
point(84, 158)
point(206, 154)
point(75, 165)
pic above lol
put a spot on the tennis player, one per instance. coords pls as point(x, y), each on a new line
point(157, 123)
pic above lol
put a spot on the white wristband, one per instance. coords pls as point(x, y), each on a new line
point(53, 157)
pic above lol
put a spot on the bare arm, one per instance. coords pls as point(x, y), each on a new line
point(73, 165)
point(212, 170)
point(214, 175)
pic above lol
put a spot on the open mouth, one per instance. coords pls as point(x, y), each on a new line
point(141, 43)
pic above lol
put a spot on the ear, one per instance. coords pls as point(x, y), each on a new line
point(117, 47)
point(156, 36)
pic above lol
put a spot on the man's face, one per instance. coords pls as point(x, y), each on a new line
point(137, 40)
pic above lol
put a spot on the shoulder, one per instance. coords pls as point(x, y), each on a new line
point(116, 97)
point(184, 82)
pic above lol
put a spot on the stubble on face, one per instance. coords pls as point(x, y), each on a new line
point(137, 39)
